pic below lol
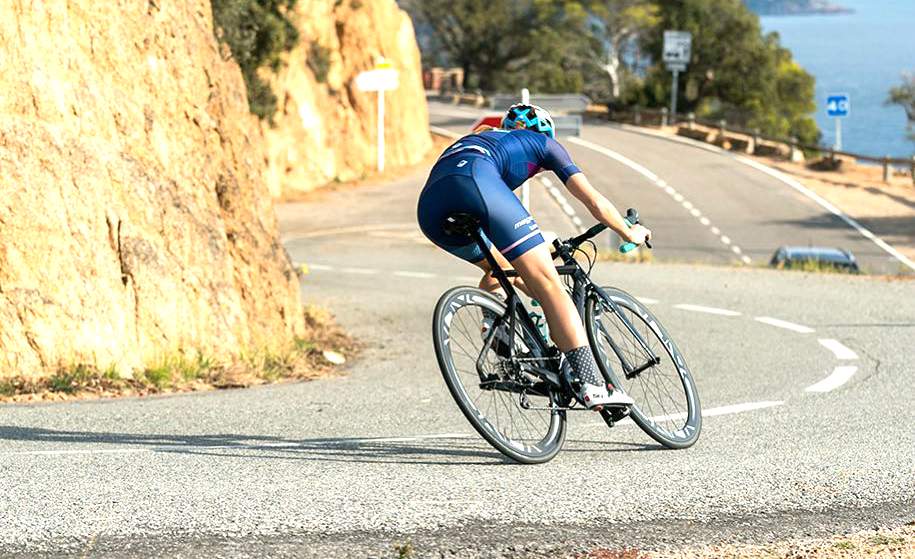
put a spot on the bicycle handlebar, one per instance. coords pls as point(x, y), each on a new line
point(632, 218)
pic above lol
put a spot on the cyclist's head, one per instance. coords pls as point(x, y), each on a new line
point(529, 117)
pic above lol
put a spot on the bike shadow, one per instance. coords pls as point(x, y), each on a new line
point(444, 450)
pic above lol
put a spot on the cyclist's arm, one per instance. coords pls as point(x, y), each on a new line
point(603, 210)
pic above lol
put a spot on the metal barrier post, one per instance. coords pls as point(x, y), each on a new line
point(691, 120)
point(793, 155)
point(886, 168)
point(664, 113)
point(755, 141)
point(637, 118)
point(912, 170)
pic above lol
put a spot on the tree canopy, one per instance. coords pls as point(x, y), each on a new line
point(904, 96)
point(611, 50)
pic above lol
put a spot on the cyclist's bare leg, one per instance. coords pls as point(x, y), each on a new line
point(542, 280)
point(491, 284)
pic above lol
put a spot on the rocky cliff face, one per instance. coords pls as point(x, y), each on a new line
point(325, 128)
point(134, 218)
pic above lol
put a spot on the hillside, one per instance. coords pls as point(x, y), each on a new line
point(325, 128)
point(135, 222)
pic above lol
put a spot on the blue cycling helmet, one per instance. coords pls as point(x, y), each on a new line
point(529, 117)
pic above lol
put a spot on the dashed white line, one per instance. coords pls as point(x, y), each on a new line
point(839, 376)
point(746, 259)
point(420, 275)
point(840, 350)
point(715, 230)
point(647, 301)
point(707, 310)
point(799, 328)
point(363, 271)
point(616, 156)
point(736, 249)
point(710, 412)
point(689, 206)
point(320, 267)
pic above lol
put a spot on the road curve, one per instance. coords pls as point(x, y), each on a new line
point(712, 202)
point(352, 466)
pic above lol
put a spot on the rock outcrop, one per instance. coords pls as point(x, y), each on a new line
point(325, 128)
point(135, 220)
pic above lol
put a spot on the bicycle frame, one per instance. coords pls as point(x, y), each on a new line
point(582, 288)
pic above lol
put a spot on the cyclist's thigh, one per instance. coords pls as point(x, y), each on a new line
point(509, 225)
point(447, 195)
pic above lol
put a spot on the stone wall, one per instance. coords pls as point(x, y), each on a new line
point(135, 220)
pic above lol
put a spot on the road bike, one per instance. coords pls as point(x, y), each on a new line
point(508, 378)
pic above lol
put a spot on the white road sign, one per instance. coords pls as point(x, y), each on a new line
point(379, 79)
point(678, 47)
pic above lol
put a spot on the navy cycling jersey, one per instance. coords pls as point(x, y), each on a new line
point(517, 154)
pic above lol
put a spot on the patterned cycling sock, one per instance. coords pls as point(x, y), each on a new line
point(584, 367)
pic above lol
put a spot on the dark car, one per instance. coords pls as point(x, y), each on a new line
point(815, 258)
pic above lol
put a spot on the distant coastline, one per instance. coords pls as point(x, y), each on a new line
point(796, 7)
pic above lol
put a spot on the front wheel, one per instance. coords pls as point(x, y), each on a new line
point(504, 403)
point(666, 400)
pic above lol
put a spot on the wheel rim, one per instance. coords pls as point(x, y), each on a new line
point(663, 394)
point(496, 412)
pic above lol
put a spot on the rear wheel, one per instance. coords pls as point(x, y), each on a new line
point(666, 400)
point(510, 408)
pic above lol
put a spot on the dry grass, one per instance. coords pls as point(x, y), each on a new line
point(305, 358)
point(898, 543)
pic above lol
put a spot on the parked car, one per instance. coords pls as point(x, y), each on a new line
point(815, 257)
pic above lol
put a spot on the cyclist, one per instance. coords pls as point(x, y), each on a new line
point(477, 175)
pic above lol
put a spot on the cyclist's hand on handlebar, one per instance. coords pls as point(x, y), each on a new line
point(638, 234)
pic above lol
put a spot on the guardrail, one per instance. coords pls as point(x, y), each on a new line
point(755, 141)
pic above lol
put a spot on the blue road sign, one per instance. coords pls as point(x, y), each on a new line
point(838, 105)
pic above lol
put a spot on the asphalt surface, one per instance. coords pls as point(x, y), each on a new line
point(353, 466)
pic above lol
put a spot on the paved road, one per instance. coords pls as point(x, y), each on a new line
point(349, 467)
point(710, 197)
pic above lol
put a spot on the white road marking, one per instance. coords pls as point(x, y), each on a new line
point(678, 197)
point(736, 249)
point(829, 207)
point(746, 259)
point(799, 328)
point(664, 136)
point(840, 350)
point(420, 275)
point(704, 221)
point(319, 267)
point(710, 412)
point(354, 229)
point(670, 190)
point(563, 203)
point(715, 231)
point(687, 204)
point(616, 156)
point(362, 271)
point(695, 212)
point(839, 376)
point(647, 300)
point(725, 239)
point(708, 310)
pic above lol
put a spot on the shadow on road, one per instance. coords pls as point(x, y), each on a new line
point(454, 450)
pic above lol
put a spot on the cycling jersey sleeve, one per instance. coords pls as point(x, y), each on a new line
point(558, 160)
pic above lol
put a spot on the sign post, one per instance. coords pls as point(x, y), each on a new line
point(838, 106)
point(382, 78)
point(677, 51)
point(526, 187)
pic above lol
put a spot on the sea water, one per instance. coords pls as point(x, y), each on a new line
point(862, 54)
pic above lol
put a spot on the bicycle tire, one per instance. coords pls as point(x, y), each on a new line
point(487, 417)
point(659, 386)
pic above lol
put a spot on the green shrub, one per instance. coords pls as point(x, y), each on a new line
point(319, 60)
point(257, 33)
